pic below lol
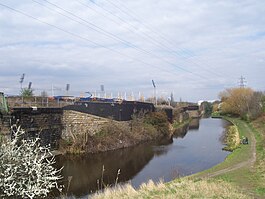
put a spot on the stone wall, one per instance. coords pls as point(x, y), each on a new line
point(44, 123)
point(180, 116)
point(76, 123)
point(194, 114)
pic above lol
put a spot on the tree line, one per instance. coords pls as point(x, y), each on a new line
point(242, 102)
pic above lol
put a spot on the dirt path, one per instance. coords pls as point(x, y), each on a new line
point(249, 163)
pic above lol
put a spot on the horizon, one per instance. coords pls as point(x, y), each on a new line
point(192, 49)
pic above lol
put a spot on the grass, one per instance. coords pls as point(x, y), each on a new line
point(244, 182)
point(250, 179)
point(114, 135)
point(191, 187)
point(181, 188)
point(181, 124)
point(258, 128)
point(232, 139)
point(216, 114)
point(242, 153)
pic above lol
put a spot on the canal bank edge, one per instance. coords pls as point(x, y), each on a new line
point(230, 179)
point(178, 188)
point(244, 167)
point(241, 154)
point(85, 133)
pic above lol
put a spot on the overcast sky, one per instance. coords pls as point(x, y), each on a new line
point(192, 48)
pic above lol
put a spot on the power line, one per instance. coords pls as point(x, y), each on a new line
point(87, 23)
point(145, 25)
point(94, 10)
point(102, 31)
point(96, 44)
point(81, 37)
point(161, 36)
point(144, 36)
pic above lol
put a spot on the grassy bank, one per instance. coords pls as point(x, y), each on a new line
point(177, 125)
point(240, 168)
point(120, 134)
point(239, 176)
point(242, 153)
point(232, 138)
point(177, 189)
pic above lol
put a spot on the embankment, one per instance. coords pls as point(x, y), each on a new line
point(241, 175)
point(244, 168)
point(84, 133)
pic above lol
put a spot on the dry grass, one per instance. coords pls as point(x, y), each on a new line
point(119, 134)
point(176, 189)
point(232, 139)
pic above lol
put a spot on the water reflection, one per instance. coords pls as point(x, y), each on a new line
point(197, 150)
point(194, 123)
point(182, 131)
point(86, 170)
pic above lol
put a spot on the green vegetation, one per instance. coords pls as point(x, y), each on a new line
point(241, 175)
point(207, 107)
point(158, 120)
point(240, 168)
point(242, 102)
point(236, 177)
point(258, 175)
point(241, 154)
point(232, 139)
point(251, 178)
point(177, 125)
point(26, 92)
point(216, 114)
point(263, 102)
point(114, 135)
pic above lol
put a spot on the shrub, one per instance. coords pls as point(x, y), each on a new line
point(243, 102)
point(159, 121)
point(232, 139)
point(25, 170)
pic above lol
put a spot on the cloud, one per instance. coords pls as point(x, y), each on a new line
point(192, 48)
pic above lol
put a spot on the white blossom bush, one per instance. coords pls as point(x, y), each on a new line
point(25, 170)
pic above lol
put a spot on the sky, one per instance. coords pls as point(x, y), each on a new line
point(192, 48)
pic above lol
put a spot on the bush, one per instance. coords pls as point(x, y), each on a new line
point(232, 139)
point(25, 170)
point(159, 121)
point(243, 102)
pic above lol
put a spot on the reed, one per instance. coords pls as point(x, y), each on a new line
point(183, 188)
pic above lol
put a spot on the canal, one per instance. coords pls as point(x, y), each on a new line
point(194, 148)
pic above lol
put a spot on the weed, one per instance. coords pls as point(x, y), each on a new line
point(117, 177)
point(175, 189)
point(232, 139)
point(260, 191)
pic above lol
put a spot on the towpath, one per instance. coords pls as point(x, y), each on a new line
point(247, 163)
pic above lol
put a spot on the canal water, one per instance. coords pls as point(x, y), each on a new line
point(194, 148)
